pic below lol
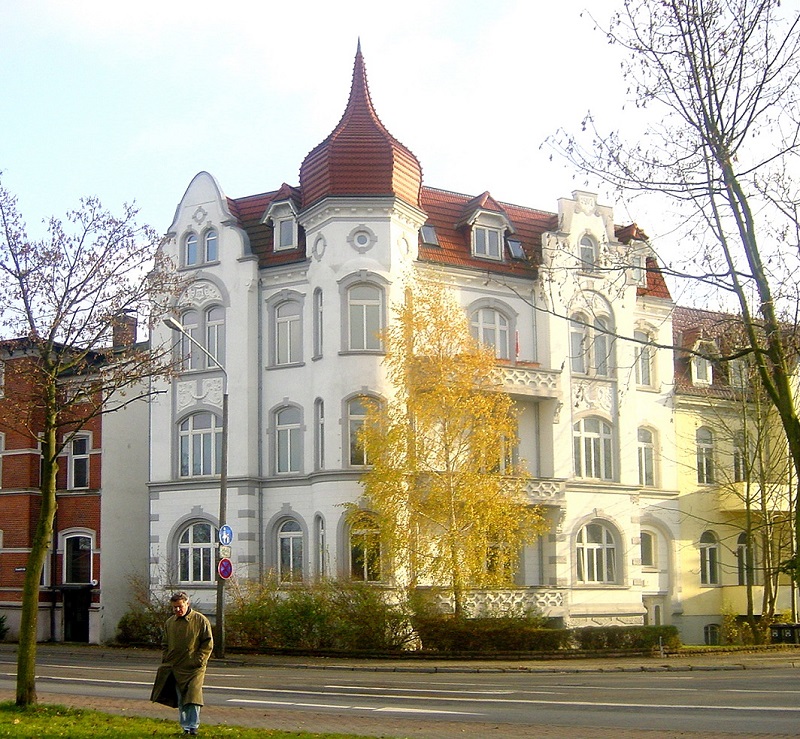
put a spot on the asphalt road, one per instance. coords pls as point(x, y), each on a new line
point(445, 700)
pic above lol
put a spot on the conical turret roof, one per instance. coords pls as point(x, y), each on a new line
point(360, 157)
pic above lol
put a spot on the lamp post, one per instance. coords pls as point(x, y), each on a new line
point(219, 636)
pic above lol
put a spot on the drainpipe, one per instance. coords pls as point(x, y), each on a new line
point(260, 445)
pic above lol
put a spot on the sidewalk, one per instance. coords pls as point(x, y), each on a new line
point(777, 656)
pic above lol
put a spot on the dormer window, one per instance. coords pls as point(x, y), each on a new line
point(638, 270)
point(486, 242)
point(701, 371)
point(285, 231)
point(283, 217)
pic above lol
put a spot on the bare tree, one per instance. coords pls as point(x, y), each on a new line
point(717, 83)
point(62, 299)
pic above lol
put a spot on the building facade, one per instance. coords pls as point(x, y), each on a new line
point(288, 291)
point(102, 471)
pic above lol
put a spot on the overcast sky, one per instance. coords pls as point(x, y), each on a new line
point(128, 101)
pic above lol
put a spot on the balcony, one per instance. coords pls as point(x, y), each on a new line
point(737, 497)
point(531, 380)
point(545, 491)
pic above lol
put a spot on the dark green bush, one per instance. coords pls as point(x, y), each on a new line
point(640, 638)
point(505, 634)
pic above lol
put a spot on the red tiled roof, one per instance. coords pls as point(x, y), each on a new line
point(656, 286)
point(360, 157)
point(446, 211)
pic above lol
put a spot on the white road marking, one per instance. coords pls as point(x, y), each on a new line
point(381, 709)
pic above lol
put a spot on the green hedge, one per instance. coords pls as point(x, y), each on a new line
point(443, 634)
point(640, 638)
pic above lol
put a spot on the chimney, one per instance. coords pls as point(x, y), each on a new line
point(124, 329)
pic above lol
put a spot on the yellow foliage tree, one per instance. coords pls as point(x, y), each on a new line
point(448, 495)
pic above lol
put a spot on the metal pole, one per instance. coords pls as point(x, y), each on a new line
point(219, 639)
point(219, 629)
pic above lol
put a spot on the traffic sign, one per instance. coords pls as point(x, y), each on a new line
point(224, 552)
point(225, 535)
point(225, 568)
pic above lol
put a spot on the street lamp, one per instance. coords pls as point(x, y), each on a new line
point(219, 636)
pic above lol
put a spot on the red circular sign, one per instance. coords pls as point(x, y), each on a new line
point(225, 568)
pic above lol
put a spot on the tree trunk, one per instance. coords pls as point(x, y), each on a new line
point(26, 655)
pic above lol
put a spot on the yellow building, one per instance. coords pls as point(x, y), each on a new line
point(733, 476)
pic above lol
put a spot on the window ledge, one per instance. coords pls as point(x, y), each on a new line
point(288, 365)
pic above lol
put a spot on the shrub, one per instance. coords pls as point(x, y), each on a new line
point(330, 615)
point(640, 638)
point(144, 622)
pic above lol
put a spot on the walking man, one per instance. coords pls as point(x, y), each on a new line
point(187, 646)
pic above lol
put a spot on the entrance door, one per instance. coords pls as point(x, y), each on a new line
point(76, 614)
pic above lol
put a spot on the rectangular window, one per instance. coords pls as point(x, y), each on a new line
point(285, 232)
point(486, 242)
point(79, 463)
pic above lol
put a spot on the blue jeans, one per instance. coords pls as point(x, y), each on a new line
point(188, 713)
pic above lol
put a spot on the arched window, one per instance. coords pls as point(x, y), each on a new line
point(596, 554)
point(745, 561)
point(211, 246)
point(593, 449)
point(194, 254)
point(364, 317)
point(644, 358)
point(578, 343)
point(77, 559)
point(208, 330)
point(647, 546)
point(647, 457)
point(709, 559)
point(743, 457)
point(215, 333)
point(193, 358)
point(356, 416)
point(196, 553)
point(321, 546)
point(290, 551)
point(588, 253)
point(190, 253)
point(200, 445)
point(365, 551)
point(288, 440)
point(288, 333)
point(491, 327)
point(319, 434)
point(705, 455)
point(591, 345)
point(317, 323)
point(711, 634)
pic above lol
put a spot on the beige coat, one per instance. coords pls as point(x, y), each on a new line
point(187, 646)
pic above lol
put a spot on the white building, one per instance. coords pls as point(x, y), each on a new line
point(288, 289)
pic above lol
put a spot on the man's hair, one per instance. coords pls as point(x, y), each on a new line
point(181, 595)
